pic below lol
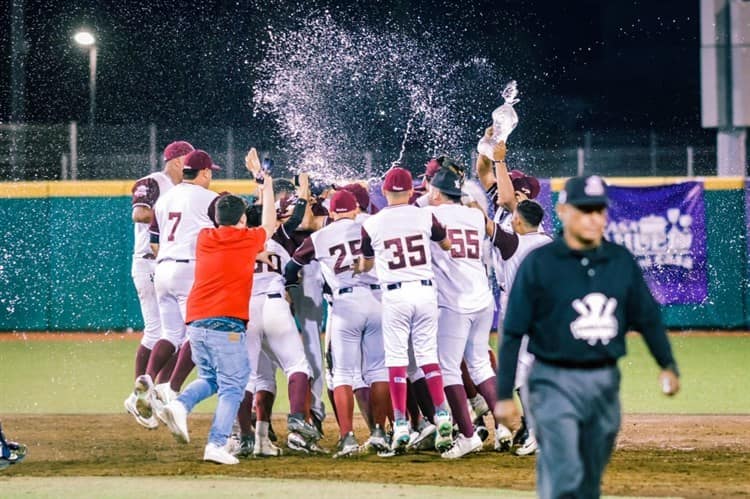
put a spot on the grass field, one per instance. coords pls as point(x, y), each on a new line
point(93, 374)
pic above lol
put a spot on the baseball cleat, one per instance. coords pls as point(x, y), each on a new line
point(400, 436)
point(377, 441)
point(347, 446)
point(463, 446)
point(247, 443)
point(219, 455)
point(142, 390)
point(444, 433)
point(161, 395)
point(265, 448)
point(175, 417)
point(149, 423)
point(297, 424)
point(424, 437)
point(503, 439)
point(296, 442)
point(482, 431)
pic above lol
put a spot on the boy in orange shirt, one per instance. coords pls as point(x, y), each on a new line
point(217, 315)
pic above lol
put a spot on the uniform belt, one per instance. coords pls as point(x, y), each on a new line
point(397, 285)
point(182, 261)
point(589, 364)
point(150, 256)
point(273, 295)
point(343, 291)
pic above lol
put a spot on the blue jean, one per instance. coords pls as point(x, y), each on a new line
point(220, 355)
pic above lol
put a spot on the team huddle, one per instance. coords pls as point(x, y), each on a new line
point(240, 290)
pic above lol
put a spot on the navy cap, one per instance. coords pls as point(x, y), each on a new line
point(447, 182)
point(589, 190)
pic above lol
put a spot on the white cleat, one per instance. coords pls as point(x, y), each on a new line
point(425, 434)
point(527, 448)
point(161, 395)
point(218, 455)
point(265, 448)
point(463, 446)
point(175, 417)
point(148, 423)
point(400, 436)
point(444, 433)
point(142, 390)
point(503, 439)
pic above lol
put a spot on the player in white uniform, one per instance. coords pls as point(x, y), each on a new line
point(146, 191)
point(397, 242)
point(356, 336)
point(513, 248)
point(178, 217)
point(465, 304)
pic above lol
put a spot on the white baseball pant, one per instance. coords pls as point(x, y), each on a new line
point(410, 312)
point(467, 337)
point(142, 272)
point(172, 281)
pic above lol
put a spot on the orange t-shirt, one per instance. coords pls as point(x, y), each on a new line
point(224, 264)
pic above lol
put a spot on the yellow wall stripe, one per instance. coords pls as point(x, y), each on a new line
point(104, 188)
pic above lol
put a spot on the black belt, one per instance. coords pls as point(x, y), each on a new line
point(589, 364)
point(343, 291)
point(150, 256)
point(397, 285)
point(274, 295)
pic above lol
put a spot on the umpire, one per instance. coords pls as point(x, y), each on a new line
point(576, 298)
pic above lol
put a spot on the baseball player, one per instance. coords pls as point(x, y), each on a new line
point(179, 215)
point(513, 248)
point(146, 191)
point(577, 334)
point(356, 337)
point(396, 241)
point(464, 303)
point(10, 452)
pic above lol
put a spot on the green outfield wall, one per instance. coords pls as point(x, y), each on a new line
point(65, 255)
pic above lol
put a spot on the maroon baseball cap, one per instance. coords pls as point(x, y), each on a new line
point(397, 180)
point(526, 184)
point(360, 194)
point(199, 160)
point(343, 201)
point(177, 149)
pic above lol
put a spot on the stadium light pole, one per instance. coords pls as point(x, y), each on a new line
point(86, 39)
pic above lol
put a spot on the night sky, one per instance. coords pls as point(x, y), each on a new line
point(582, 64)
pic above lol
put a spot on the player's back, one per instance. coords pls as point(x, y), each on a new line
point(400, 238)
point(146, 192)
point(267, 279)
point(461, 276)
point(180, 215)
point(336, 246)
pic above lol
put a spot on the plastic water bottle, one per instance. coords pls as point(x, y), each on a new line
point(504, 121)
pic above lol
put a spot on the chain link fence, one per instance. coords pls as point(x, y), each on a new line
point(76, 152)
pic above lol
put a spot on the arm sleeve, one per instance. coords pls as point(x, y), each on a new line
point(517, 322)
point(305, 253)
point(367, 250)
point(644, 315)
point(438, 230)
point(506, 242)
point(297, 215)
point(145, 192)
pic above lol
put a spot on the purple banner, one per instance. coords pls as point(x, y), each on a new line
point(665, 228)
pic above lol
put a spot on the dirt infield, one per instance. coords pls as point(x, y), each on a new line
point(689, 456)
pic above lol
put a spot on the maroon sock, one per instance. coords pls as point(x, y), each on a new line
point(182, 369)
point(422, 394)
point(456, 396)
point(264, 405)
point(160, 355)
point(471, 390)
point(412, 406)
point(397, 386)
point(244, 414)
point(487, 389)
point(434, 379)
point(363, 402)
point(141, 360)
point(298, 386)
point(166, 371)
